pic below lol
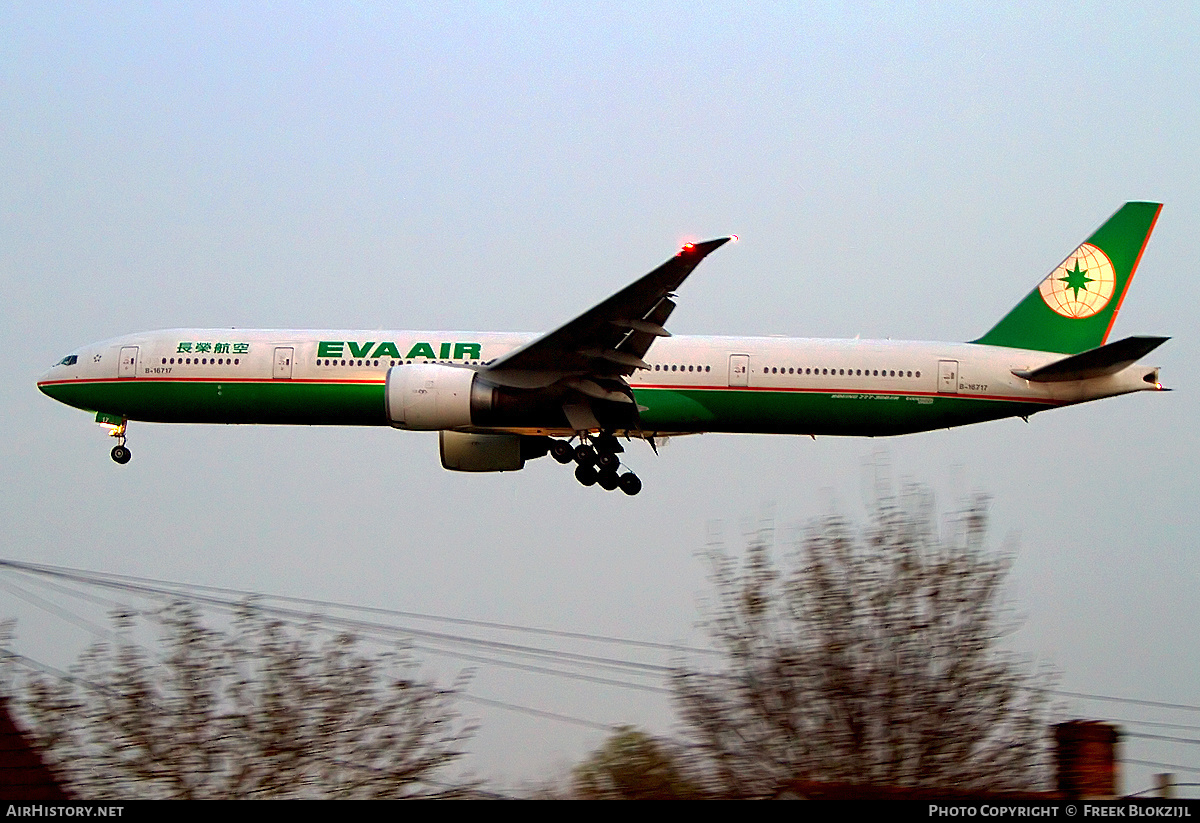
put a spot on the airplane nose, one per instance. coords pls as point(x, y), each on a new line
point(45, 383)
point(51, 379)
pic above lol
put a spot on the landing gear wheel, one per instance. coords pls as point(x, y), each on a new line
point(607, 461)
point(562, 451)
point(120, 454)
point(630, 483)
point(585, 474)
point(585, 455)
point(608, 479)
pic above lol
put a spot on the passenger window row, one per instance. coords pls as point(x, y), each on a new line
point(202, 361)
point(842, 372)
point(375, 363)
point(676, 367)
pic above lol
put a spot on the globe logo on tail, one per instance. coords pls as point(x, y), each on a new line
point(1082, 285)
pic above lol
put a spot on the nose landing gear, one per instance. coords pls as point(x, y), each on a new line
point(119, 453)
point(598, 463)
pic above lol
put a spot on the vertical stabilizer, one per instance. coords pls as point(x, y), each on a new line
point(1074, 307)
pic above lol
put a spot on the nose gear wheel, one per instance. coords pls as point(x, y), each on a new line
point(119, 453)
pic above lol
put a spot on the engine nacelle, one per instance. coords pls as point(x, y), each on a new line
point(481, 452)
point(463, 452)
point(428, 396)
point(431, 396)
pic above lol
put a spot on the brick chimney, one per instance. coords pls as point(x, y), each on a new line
point(23, 773)
point(1086, 754)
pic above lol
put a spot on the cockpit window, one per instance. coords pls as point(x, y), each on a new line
point(69, 360)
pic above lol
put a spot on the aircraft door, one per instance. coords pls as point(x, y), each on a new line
point(947, 377)
point(739, 370)
point(283, 362)
point(127, 366)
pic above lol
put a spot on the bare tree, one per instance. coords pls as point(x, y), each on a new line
point(263, 710)
point(871, 656)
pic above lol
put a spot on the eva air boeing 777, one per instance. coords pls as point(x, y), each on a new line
point(615, 372)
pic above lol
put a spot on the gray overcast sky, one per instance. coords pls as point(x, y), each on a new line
point(893, 170)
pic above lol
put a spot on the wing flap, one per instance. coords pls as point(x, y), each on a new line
point(644, 326)
point(644, 332)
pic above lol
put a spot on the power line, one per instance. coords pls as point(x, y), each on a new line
point(1145, 736)
point(220, 597)
point(66, 677)
point(251, 600)
point(172, 588)
point(1188, 726)
point(578, 721)
point(605, 681)
point(586, 660)
point(55, 609)
point(1158, 765)
point(1131, 700)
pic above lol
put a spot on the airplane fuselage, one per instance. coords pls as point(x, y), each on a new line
point(499, 400)
point(768, 385)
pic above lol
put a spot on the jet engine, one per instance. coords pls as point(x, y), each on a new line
point(431, 397)
point(428, 396)
point(463, 452)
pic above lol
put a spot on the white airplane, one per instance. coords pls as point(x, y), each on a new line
point(616, 372)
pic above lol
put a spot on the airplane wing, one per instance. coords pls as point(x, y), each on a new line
point(609, 340)
point(583, 364)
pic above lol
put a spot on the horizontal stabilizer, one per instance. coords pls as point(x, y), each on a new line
point(1108, 359)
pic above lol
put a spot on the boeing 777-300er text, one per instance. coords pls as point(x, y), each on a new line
point(616, 372)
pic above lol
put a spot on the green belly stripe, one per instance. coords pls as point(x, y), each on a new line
point(668, 410)
point(202, 401)
point(792, 412)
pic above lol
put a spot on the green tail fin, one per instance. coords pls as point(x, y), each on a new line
point(1073, 309)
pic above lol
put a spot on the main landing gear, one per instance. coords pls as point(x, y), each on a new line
point(597, 463)
point(119, 453)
